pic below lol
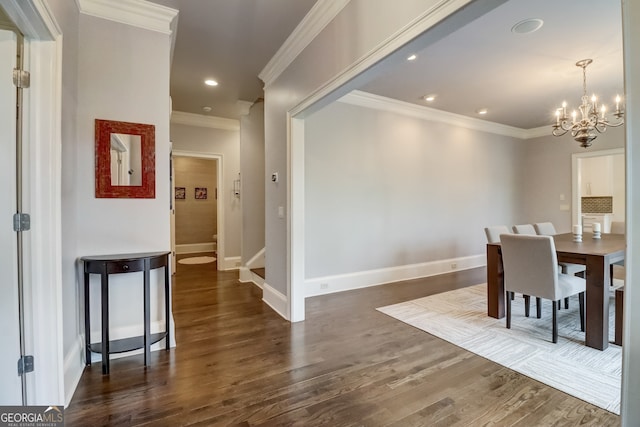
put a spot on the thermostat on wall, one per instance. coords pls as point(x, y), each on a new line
point(274, 177)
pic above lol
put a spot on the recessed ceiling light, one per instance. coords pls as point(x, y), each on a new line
point(527, 26)
point(206, 109)
point(429, 98)
point(412, 57)
point(211, 82)
point(482, 111)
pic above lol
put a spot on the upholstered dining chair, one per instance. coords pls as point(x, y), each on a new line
point(531, 267)
point(617, 227)
point(547, 229)
point(524, 229)
point(493, 233)
point(493, 236)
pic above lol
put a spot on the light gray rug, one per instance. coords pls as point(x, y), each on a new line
point(460, 317)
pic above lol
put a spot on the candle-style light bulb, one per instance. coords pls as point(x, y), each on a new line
point(574, 115)
point(603, 109)
point(617, 103)
point(558, 117)
point(564, 109)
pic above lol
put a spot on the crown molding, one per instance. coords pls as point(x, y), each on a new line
point(311, 25)
point(139, 13)
point(537, 132)
point(190, 119)
point(377, 102)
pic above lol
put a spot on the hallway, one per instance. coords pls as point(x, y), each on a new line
point(239, 363)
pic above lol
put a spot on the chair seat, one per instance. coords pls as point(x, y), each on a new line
point(569, 268)
point(569, 285)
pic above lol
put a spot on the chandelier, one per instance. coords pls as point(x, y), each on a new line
point(584, 130)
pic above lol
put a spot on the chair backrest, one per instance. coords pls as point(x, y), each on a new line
point(618, 227)
point(524, 229)
point(545, 229)
point(530, 265)
point(493, 233)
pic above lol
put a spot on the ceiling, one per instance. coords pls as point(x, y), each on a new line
point(229, 41)
point(520, 78)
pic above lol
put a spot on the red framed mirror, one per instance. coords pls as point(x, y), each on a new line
point(125, 160)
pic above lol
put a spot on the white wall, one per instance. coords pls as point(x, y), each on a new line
point(253, 181)
point(385, 190)
point(118, 72)
point(205, 140)
point(354, 33)
point(547, 175)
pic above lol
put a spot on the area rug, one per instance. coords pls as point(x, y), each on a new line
point(197, 260)
point(460, 317)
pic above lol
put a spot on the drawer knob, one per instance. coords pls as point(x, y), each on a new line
point(125, 266)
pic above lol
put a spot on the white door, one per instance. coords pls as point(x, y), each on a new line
point(10, 382)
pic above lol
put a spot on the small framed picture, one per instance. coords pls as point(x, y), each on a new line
point(201, 193)
point(181, 193)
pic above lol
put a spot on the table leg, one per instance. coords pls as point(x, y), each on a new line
point(87, 322)
point(167, 295)
point(597, 308)
point(495, 283)
point(147, 315)
point(105, 321)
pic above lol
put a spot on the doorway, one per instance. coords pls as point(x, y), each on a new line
point(598, 186)
point(197, 233)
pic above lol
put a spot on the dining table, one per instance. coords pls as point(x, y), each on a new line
point(596, 254)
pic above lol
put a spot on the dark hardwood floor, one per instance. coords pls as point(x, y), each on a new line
point(238, 363)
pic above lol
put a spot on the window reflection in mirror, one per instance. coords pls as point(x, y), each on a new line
point(126, 160)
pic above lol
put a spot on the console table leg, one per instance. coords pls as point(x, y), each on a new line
point(105, 322)
point(147, 315)
point(166, 303)
point(87, 323)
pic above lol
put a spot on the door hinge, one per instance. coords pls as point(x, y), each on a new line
point(21, 222)
point(21, 78)
point(25, 365)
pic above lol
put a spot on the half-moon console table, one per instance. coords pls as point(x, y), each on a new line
point(104, 265)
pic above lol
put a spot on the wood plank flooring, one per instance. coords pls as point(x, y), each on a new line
point(240, 364)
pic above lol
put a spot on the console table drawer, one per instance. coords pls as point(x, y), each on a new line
point(125, 266)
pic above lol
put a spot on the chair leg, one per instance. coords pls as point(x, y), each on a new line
point(513, 296)
point(558, 304)
point(527, 309)
point(611, 275)
point(555, 321)
point(581, 302)
point(566, 303)
point(509, 294)
point(538, 307)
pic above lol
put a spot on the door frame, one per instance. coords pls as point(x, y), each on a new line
point(576, 204)
point(42, 199)
point(220, 205)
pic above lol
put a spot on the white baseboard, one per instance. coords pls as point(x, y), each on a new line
point(73, 368)
point(275, 300)
point(195, 248)
point(257, 261)
point(363, 279)
point(246, 275)
point(230, 263)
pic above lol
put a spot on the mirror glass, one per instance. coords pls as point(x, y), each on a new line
point(125, 160)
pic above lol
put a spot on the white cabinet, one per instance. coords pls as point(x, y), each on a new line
point(596, 176)
point(589, 219)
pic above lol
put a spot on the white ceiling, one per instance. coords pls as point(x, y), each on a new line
point(519, 78)
point(230, 41)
